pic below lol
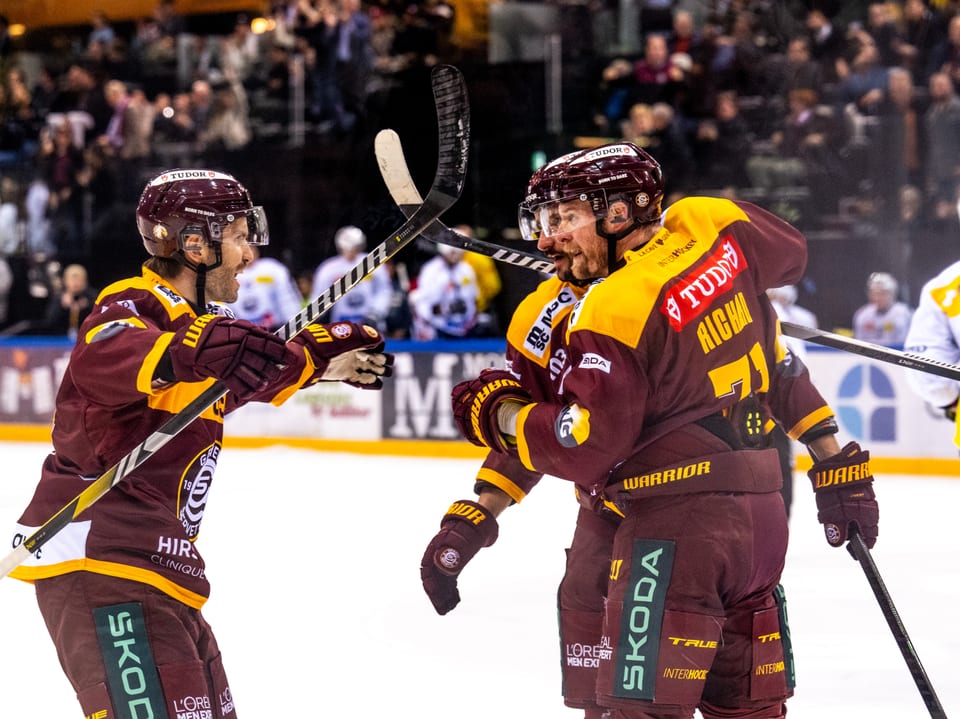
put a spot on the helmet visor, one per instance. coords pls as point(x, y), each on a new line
point(549, 219)
point(253, 231)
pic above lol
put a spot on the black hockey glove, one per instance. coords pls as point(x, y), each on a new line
point(466, 528)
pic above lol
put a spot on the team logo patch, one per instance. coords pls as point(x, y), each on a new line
point(371, 332)
point(341, 330)
point(449, 559)
point(643, 199)
point(573, 426)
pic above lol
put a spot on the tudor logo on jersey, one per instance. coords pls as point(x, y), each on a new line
point(691, 296)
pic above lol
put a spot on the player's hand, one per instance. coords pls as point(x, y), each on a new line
point(843, 485)
point(347, 352)
point(475, 403)
point(242, 355)
point(466, 528)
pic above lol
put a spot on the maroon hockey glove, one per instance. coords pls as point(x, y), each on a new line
point(348, 352)
point(466, 528)
point(475, 404)
point(844, 489)
point(242, 355)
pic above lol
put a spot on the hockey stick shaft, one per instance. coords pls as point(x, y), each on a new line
point(403, 190)
point(453, 119)
point(862, 554)
point(866, 349)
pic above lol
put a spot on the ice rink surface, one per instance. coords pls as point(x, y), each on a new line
point(317, 605)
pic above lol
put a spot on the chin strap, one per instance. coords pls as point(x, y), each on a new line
point(201, 270)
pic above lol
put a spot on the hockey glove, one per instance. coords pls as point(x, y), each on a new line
point(475, 404)
point(466, 528)
point(242, 355)
point(348, 352)
point(843, 486)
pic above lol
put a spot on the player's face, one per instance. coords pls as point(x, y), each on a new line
point(570, 239)
point(222, 284)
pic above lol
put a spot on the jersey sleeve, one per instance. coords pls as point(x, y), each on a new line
point(116, 355)
point(933, 333)
point(794, 400)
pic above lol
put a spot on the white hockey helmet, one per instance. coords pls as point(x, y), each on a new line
point(350, 239)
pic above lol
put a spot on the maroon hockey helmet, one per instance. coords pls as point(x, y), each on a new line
point(183, 208)
point(622, 183)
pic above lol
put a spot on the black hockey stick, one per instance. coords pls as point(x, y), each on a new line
point(877, 352)
point(453, 118)
point(862, 554)
point(396, 176)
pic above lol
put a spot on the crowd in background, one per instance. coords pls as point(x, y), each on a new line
point(839, 116)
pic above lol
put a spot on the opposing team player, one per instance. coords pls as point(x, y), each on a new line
point(121, 587)
point(653, 393)
point(934, 332)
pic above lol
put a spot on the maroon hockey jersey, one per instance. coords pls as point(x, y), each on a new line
point(144, 529)
point(682, 332)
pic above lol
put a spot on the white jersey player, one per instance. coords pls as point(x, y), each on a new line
point(444, 302)
point(935, 334)
point(268, 293)
point(883, 319)
point(367, 302)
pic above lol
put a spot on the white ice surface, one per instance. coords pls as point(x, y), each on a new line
point(318, 608)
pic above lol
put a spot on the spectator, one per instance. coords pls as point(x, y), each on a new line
point(884, 32)
point(62, 164)
point(10, 216)
point(354, 60)
point(228, 128)
point(615, 92)
point(239, 55)
point(827, 43)
point(268, 294)
point(863, 79)
point(369, 301)
point(800, 145)
point(941, 122)
point(638, 127)
point(69, 306)
point(671, 147)
point(722, 145)
point(444, 302)
point(656, 77)
point(797, 70)
point(924, 31)
point(947, 56)
point(684, 36)
point(883, 320)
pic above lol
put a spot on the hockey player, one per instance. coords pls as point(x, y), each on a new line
point(934, 332)
point(653, 393)
point(444, 302)
point(268, 294)
point(122, 586)
point(369, 301)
